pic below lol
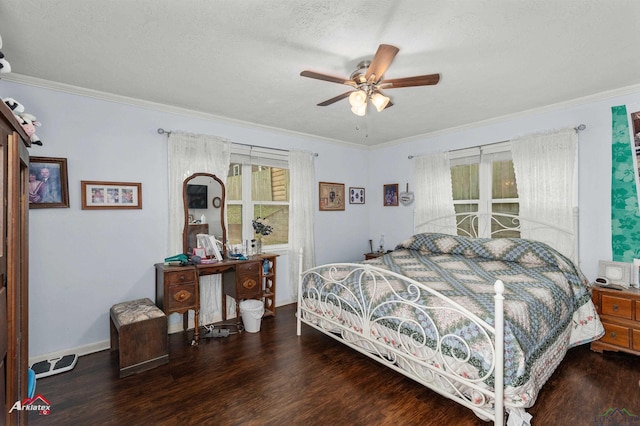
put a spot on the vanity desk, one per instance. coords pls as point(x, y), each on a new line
point(177, 286)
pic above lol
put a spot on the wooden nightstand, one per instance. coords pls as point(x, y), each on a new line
point(619, 312)
point(373, 255)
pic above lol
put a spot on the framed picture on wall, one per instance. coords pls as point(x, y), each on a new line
point(111, 195)
point(356, 195)
point(331, 196)
point(48, 183)
point(390, 194)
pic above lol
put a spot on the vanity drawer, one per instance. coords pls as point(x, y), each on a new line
point(180, 277)
point(181, 296)
point(616, 306)
point(615, 335)
point(251, 269)
point(248, 288)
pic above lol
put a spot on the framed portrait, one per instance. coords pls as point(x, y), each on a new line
point(48, 183)
point(331, 196)
point(390, 194)
point(111, 195)
point(356, 195)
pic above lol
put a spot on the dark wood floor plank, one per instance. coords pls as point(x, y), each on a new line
point(277, 378)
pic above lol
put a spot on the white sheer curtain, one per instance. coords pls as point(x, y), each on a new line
point(433, 193)
point(544, 165)
point(301, 208)
point(188, 154)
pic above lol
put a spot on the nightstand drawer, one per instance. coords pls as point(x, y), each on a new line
point(636, 340)
point(616, 335)
point(616, 306)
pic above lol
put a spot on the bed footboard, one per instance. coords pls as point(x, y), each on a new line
point(412, 329)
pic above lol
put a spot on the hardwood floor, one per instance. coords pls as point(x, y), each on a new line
point(277, 378)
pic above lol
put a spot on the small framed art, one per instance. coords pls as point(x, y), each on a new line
point(356, 195)
point(331, 196)
point(48, 183)
point(111, 195)
point(390, 194)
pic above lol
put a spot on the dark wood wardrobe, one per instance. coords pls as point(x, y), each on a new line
point(14, 266)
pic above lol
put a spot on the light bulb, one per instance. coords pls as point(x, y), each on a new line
point(357, 98)
point(380, 101)
point(360, 111)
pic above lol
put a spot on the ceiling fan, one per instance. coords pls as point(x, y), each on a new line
point(367, 82)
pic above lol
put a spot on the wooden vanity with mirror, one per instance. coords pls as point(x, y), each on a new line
point(177, 287)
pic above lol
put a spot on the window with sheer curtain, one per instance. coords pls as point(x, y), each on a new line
point(483, 180)
point(258, 186)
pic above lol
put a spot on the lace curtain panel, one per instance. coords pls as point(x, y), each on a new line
point(544, 166)
point(189, 154)
point(301, 208)
point(433, 193)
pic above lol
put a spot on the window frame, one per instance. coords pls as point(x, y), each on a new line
point(246, 159)
point(484, 156)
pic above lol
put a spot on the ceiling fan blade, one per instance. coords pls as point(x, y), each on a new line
point(324, 77)
point(335, 99)
point(419, 80)
point(381, 61)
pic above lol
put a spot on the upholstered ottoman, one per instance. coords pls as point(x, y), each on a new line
point(139, 333)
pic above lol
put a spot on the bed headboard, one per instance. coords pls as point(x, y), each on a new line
point(503, 225)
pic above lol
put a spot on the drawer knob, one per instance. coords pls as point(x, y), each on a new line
point(615, 307)
point(249, 284)
point(182, 295)
point(613, 334)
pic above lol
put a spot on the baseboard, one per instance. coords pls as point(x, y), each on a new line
point(79, 350)
point(175, 324)
point(173, 327)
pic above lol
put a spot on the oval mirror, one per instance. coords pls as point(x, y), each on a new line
point(203, 199)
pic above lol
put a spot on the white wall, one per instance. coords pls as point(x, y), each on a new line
point(594, 168)
point(82, 262)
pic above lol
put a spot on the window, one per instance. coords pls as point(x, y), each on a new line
point(483, 181)
point(257, 186)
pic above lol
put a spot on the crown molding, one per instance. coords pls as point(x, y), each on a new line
point(623, 91)
point(159, 107)
point(155, 106)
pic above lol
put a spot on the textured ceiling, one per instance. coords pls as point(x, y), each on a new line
point(241, 59)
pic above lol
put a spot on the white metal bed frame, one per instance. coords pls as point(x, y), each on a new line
point(324, 310)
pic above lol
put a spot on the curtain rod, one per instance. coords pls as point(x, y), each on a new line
point(162, 131)
point(578, 128)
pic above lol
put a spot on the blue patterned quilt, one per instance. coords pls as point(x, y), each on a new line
point(548, 307)
point(542, 287)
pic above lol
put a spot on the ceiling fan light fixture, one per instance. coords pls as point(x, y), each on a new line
point(367, 81)
point(360, 110)
point(380, 101)
point(357, 99)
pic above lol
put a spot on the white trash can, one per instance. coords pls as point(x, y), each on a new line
point(252, 311)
